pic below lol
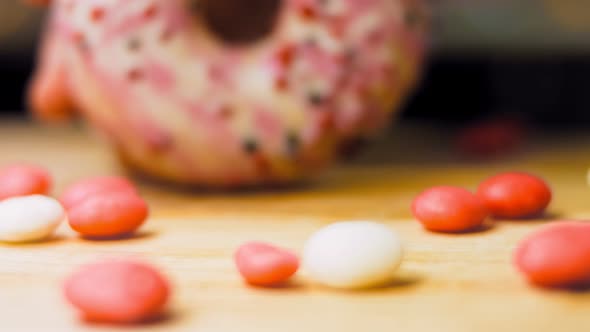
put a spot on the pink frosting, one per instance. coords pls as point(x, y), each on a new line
point(267, 112)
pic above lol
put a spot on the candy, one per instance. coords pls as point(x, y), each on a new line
point(24, 180)
point(108, 215)
point(263, 264)
point(117, 291)
point(515, 195)
point(490, 139)
point(81, 190)
point(449, 209)
point(557, 255)
point(29, 218)
point(354, 254)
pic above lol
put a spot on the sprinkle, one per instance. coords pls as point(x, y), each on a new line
point(97, 14)
point(315, 99)
point(286, 56)
point(134, 74)
point(311, 42)
point(281, 84)
point(226, 112)
point(250, 146)
point(308, 13)
point(166, 35)
point(80, 41)
point(134, 44)
point(350, 54)
point(78, 37)
point(150, 12)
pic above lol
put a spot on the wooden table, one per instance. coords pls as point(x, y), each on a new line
point(447, 283)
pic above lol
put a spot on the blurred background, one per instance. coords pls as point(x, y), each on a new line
point(528, 58)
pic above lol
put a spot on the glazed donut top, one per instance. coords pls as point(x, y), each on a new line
point(328, 65)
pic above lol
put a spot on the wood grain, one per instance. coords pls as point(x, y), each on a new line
point(447, 283)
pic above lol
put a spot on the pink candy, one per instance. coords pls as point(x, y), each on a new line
point(81, 190)
point(24, 180)
point(262, 264)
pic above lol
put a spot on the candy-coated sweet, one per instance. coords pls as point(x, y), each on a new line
point(86, 188)
point(117, 291)
point(24, 180)
point(515, 195)
point(263, 264)
point(556, 255)
point(353, 255)
point(449, 209)
point(108, 215)
point(29, 218)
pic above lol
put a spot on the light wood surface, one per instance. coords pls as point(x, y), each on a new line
point(447, 283)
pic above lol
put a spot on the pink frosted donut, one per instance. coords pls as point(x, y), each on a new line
point(179, 102)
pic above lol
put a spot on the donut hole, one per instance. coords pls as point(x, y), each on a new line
point(239, 21)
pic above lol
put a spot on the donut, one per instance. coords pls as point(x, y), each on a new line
point(265, 102)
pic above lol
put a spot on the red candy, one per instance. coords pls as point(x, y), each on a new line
point(117, 292)
point(449, 209)
point(24, 180)
point(490, 139)
point(515, 195)
point(262, 264)
point(109, 214)
point(81, 190)
point(557, 255)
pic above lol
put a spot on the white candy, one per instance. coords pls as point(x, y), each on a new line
point(29, 218)
point(354, 254)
